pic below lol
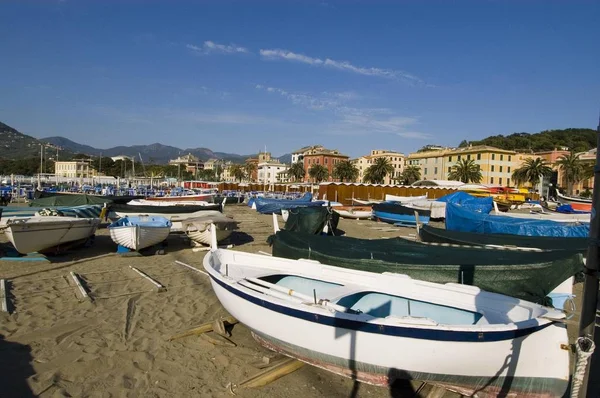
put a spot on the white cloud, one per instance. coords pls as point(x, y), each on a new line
point(340, 65)
point(290, 56)
point(352, 120)
point(212, 47)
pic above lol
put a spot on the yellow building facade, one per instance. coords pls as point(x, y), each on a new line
point(396, 159)
point(497, 165)
point(74, 169)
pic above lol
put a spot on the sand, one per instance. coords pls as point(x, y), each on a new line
point(57, 344)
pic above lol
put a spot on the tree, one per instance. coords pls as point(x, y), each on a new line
point(531, 171)
point(572, 168)
point(410, 174)
point(237, 171)
point(318, 173)
point(250, 168)
point(466, 171)
point(345, 170)
point(376, 172)
point(296, 171)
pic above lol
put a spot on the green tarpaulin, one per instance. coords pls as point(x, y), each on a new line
point(69, 200)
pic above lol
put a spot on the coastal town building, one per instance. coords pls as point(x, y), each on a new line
point(325, 157)
point(496, 164)
point(74, 169)
point(395, 159)
point(298, 156)
point(189, 163)
point(268, 172)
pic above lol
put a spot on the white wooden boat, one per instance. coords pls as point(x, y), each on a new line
point(437, 209)
point(545, 215)
point(366, 202)
point(378, 328)
point(139, 232)
point(146, 202)
point(354, 212)
point(403, 199)
point(34, 234)
point(198, 229)
point(571, 200)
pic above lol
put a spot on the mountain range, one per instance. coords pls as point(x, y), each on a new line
point(14, 145)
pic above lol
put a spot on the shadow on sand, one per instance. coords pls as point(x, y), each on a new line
point(15, 367)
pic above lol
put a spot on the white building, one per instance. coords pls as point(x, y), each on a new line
point(74, 169)
point(268, 172)
point(298, 156)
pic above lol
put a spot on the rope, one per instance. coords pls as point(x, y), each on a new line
point(584, 347)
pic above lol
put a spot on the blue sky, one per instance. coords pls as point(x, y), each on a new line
point(352, 75)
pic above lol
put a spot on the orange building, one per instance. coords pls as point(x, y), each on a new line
point(325, 157)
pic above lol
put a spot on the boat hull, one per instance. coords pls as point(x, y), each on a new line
point(508, 365)
point(354, 212)
point(393, 218)
point(203, 236)
point(40, 233)
point(138, 237)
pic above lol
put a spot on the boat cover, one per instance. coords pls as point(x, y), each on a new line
point(461, 219)
point(439, 235)
point(389, 207)
point(85, 211)
point(131, 209)
point(312, 220)
point(480, 205)
point(522, 274)
point(69, 200)
point(269, 206)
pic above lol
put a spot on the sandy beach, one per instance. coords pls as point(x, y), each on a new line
point(57, 344)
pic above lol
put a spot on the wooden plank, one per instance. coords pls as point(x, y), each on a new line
point(79, 286)
point(204, 328)
point(3, 295)
point(272, 373)
point(158, 286)
point(190, 267)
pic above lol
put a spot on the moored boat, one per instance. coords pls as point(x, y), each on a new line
point(38, 233)
point(378, 328)
point(399, 214)
point(140, 232)
point(428, 233)
point(354, 212)
point(403, 199)
point(198, 228)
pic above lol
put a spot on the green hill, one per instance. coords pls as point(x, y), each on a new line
point(576, 139)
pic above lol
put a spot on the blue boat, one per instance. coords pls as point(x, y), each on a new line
point(461, 219)
point(399, 214)
point(270, 206)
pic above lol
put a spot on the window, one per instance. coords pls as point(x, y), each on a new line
point(468, 157)
point(500, 180)
point(325, 160)
point(492, 167)
point(449, 169)
point(435, 170)
point(458, 157)
point(493, 156)
point(449, 158)
point(508, 169)
point(491, 180)
point(425, 172)
point(509, 158)
point(501, 158)
point(500, 169)
point(478, 156)
point(508, 181)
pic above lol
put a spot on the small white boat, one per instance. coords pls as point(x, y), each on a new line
point(545, 215)
point(34, 234)
point(145, 202)
point(403, 199)
point(198, 229)
point(366, 202)
point(139, 232)
point(572, 200)
point(354, 212)
point(378, 328)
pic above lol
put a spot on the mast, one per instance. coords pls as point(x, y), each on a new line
point(591, 385)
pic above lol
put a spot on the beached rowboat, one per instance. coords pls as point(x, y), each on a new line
point(378, 328)
point(137, 233)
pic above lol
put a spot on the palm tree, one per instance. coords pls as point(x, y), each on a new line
point(376, 172)
point(237, 171)
point(531, 171)
point(345, 170)
point(249, 168)
point(466, 171)
point(410, 175)
point(318, 172)
point(572, 168)
point(296, 171)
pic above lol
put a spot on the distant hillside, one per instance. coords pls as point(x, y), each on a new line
point(16, 145)
point(576, 139)
point(65, 143)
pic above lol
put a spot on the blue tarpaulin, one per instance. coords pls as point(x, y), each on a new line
point(459, 218)
point(473, 203)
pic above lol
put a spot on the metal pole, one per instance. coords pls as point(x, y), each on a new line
point(587, 325)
